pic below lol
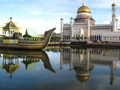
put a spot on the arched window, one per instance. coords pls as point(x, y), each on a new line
point(69, 36)
point(99, 37)
point(95, 37)
point(90, 37)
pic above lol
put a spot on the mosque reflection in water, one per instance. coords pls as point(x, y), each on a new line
point(30, 59)
point(81, 61)
point(84, 60)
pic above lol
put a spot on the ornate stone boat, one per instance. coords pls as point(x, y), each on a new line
point(27, 43)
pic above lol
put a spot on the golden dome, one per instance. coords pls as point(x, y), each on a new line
point(82, 78)
point(83, 9)
point(113, 4)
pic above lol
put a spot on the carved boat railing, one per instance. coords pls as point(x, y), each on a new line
point(45, 39)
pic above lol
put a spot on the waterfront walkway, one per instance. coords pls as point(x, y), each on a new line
point(94, 44)
point(109, 44)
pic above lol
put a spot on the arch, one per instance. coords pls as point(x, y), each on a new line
point(68, 36)
point(90, 37)
point(99, 37)
point(95, 37)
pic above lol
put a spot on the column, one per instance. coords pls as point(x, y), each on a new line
point(61, 28)
point(88, 29)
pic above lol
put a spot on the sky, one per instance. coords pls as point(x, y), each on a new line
point(41, 15)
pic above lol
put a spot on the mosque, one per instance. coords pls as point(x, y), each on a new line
point(83, 28)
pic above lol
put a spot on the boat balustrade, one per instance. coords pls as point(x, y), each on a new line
point(23, 40)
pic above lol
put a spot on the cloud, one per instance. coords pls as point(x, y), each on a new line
point(69, 1)
point(106, 22)
point(118, 17)
point(60, 14)
point(21, 0)
point(91, 3)
point(103, 3)
point(40, 25)
point(36, 12)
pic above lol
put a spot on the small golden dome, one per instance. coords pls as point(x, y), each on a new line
point(112, 83)
point(61, 19)
point(114, 15)
point(71, 18)
point(113, 4)
point(116, 19)
point(83, 9)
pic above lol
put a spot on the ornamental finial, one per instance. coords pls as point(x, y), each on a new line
point(83, 3)
point(10, 19)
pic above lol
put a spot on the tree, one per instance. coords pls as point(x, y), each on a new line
point(81, 38)
point(85, 38)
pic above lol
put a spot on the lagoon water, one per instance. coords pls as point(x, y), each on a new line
point(60, 68)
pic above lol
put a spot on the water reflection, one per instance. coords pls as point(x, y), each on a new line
point(11, 60)
point(83, 61)
point(84, 69)
point(10, 63)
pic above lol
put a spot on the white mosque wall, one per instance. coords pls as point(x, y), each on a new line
point(101, 28)
point(79, 56)
point(111, 36)
point(99, 32)
point(77, 28)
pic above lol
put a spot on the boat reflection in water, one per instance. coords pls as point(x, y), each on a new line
point(11, 60)
point(83, 61)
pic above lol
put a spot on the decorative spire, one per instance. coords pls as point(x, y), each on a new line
point(26, 32)
point(83, 3)
point(10, 19)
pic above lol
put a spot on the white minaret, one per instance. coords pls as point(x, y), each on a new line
point(114, 17)
point(61, 28)
point(71, 25)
